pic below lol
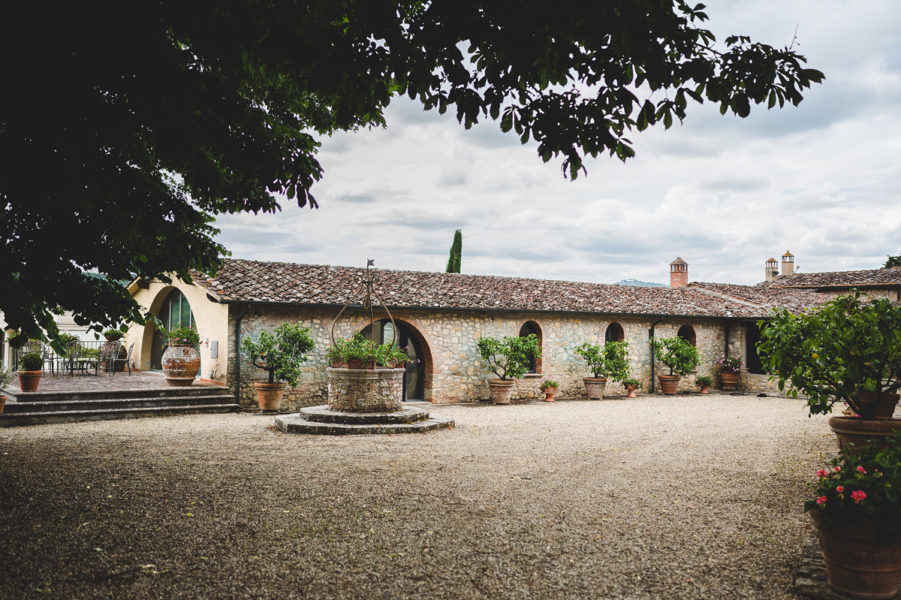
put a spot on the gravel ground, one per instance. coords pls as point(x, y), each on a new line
point(687, 497)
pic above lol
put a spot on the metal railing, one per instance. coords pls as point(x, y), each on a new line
point(82, 357)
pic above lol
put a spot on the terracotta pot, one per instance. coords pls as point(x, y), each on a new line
point(885, 404)
point(2, 403)
point(857, 431)
point(669, 383)
point(269, 395)
point(729, 381)
point(594, 387)
point(180, 365)
point(631, 389)
point(337, 363)
point(29, 380)
point(859, 561)
point(549, 394)
point(501, 391)
point(704, 389)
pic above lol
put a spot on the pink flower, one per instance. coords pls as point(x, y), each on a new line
point(858, 495)
point(821, 500)
point(822, 473)
point(861, 469)
point(839, 488)
point(836, 469)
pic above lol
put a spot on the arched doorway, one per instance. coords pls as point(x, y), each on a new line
point(419, 358)
point(174, 312)
point(532, 328)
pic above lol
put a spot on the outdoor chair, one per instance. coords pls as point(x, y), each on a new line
point(84, 359)
point(114, 359)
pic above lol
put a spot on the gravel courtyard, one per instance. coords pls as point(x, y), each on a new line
point(686, 497)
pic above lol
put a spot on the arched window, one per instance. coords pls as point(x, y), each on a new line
point(527, 328)
point(614, 333)
point(687, 333)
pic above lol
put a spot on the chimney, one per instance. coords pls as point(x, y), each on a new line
point(772, 270)
point(678, 273)
point(788, 263)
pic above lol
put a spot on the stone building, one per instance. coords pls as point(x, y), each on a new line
point(440, 316)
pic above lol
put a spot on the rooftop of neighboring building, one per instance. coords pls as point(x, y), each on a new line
point(884, 277)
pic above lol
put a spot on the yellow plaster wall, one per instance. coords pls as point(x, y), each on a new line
point(211, 319)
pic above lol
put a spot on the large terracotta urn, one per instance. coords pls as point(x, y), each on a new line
point(269, 395)
point(180, 364)
point(860, 559)
point(594, 387)
point(501, 390)
point(857, 432)
point(669, 383)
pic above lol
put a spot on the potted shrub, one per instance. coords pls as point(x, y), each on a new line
point(730, 368)
point(280, 354)
point(508, 358)
point(680, 356)
point(608, 361)
point(31, 368)
point(631, 385)
point(549, 387)
point(181, 360)
point(359, 352)
point(6, 378)
point(857, 512)
point(704, 382)
point(845, 350)
point(112, 335)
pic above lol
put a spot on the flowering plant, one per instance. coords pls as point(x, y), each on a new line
point(549, 384)
point(729, 364)
point(862, 484)
point(703, 381)
point(183, 336)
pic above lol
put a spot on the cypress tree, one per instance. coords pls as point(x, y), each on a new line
point(456, 253)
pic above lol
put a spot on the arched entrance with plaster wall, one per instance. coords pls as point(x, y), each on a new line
point(172, 308)
point(418, 378)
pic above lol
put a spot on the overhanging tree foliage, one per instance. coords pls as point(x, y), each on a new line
point(123, 135)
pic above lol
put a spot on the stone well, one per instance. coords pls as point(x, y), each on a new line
point(362, 401)
point(365, 390)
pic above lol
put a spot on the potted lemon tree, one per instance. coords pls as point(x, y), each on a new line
point(280, 353)
point(509, 359)
point(680, 356)
point(846, 350)
point(608, 361)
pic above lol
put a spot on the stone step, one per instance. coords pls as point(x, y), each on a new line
point(297, 424)
point(163, 392)
point(322, 414)
point(115, 403)
point(72, 416)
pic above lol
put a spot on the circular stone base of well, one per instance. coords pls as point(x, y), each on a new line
point(324, 421)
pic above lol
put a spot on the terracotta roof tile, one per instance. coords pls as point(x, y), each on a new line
point(889, 277)
point(276, 282)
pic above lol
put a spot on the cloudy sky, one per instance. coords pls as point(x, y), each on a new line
point(724, 193)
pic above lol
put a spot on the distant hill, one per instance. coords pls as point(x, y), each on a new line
point(637, 283)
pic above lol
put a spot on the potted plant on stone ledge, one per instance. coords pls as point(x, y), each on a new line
point(730, 369)
point(280, 354)
point(608, 361)
point(549, 387)
point(509, 359)
point(846, 350)
point(631, 385)
point(857, 513)
point(703, 382)
point(680, 356)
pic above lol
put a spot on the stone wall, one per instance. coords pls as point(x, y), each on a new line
point(454, 370)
